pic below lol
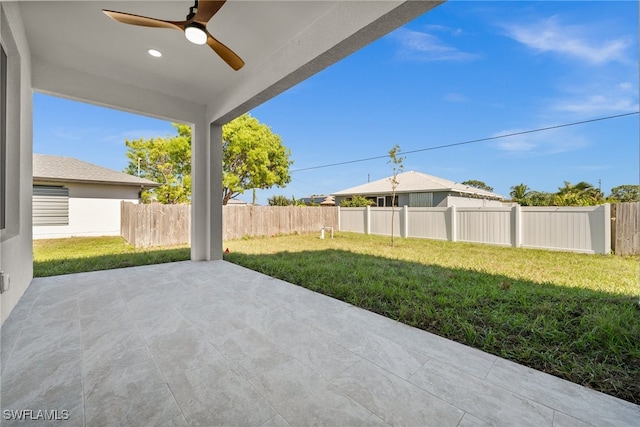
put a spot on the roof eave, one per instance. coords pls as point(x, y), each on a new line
point(90, 181)
point(439, 190)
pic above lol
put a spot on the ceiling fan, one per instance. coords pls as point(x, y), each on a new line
point(194, 27)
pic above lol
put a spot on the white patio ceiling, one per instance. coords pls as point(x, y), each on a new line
point(78, 52)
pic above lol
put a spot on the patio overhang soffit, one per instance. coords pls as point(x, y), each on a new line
point(79, 53)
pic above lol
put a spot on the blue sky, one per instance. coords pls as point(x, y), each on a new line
point(464, 71)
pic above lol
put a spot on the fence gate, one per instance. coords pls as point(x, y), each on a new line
point(625, 228)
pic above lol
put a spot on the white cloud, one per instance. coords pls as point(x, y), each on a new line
point(598, 104)
point(421, 46)
point(597, 98)
point(455, 97)
point(538, 143)
point(517, 144)
point(625, 86)
point(572, 40)
point(97, 134)
point(591, 168)
point(444, 29)
point(73, 133)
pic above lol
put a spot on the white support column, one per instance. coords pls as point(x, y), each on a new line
point(454, 225)
point(199, 192)
point(215, 202)
point(206, 192)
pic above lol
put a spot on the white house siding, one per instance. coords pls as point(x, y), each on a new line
point(94, 210)
point(403, 199)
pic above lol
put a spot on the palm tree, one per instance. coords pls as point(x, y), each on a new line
point(278, 200)
point(580, 194)
point(519, 193)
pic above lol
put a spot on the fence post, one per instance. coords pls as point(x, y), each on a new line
point(339, 219)
point(367, 220)
point(517, 226)
point(606, 249)
point(405, 215)
point(454, 226)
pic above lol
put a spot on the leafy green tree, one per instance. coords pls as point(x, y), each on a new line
point(253, 157)
point(278, 200)
point(357, 202)
point(477, 184)
point(396, 162)
point(166, 161)
point(580, 194)
point(625, 193)
point(537, 198)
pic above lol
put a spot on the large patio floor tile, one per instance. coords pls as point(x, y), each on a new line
point(215, 344)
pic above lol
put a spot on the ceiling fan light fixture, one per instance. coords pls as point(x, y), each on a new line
point(195, 33)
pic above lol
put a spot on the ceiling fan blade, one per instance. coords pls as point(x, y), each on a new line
point(143, 21)
point(227, 55)
point(206, 10)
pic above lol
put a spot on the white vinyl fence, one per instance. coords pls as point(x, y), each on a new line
point(577, 229)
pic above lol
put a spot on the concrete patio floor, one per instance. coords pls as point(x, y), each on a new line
point(212, 343)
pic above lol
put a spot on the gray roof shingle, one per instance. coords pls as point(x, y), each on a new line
point(67, 169)
point(412, 182)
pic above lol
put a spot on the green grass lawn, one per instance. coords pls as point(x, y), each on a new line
point(78, 254)
point(572, 315)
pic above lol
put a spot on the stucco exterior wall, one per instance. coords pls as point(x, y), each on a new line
point(16, 253)
point(94, 210)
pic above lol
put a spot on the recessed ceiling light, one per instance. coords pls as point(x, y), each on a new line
point(155, 53)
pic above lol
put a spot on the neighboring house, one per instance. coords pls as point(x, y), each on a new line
point(235, 202)
point(417, 189)
point(318, 200)
point(76, 198)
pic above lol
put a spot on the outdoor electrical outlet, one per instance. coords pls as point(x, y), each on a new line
point(4, 282)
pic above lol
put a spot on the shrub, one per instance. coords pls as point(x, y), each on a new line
point(357, 202)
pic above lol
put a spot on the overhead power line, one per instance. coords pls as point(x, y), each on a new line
point(473, 141)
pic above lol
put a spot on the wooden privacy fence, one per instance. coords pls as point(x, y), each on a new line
point(167, 225)
point(595, 229)
point(577, 229)
point(241, 221)
point(625, 228)
point(155, 224)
